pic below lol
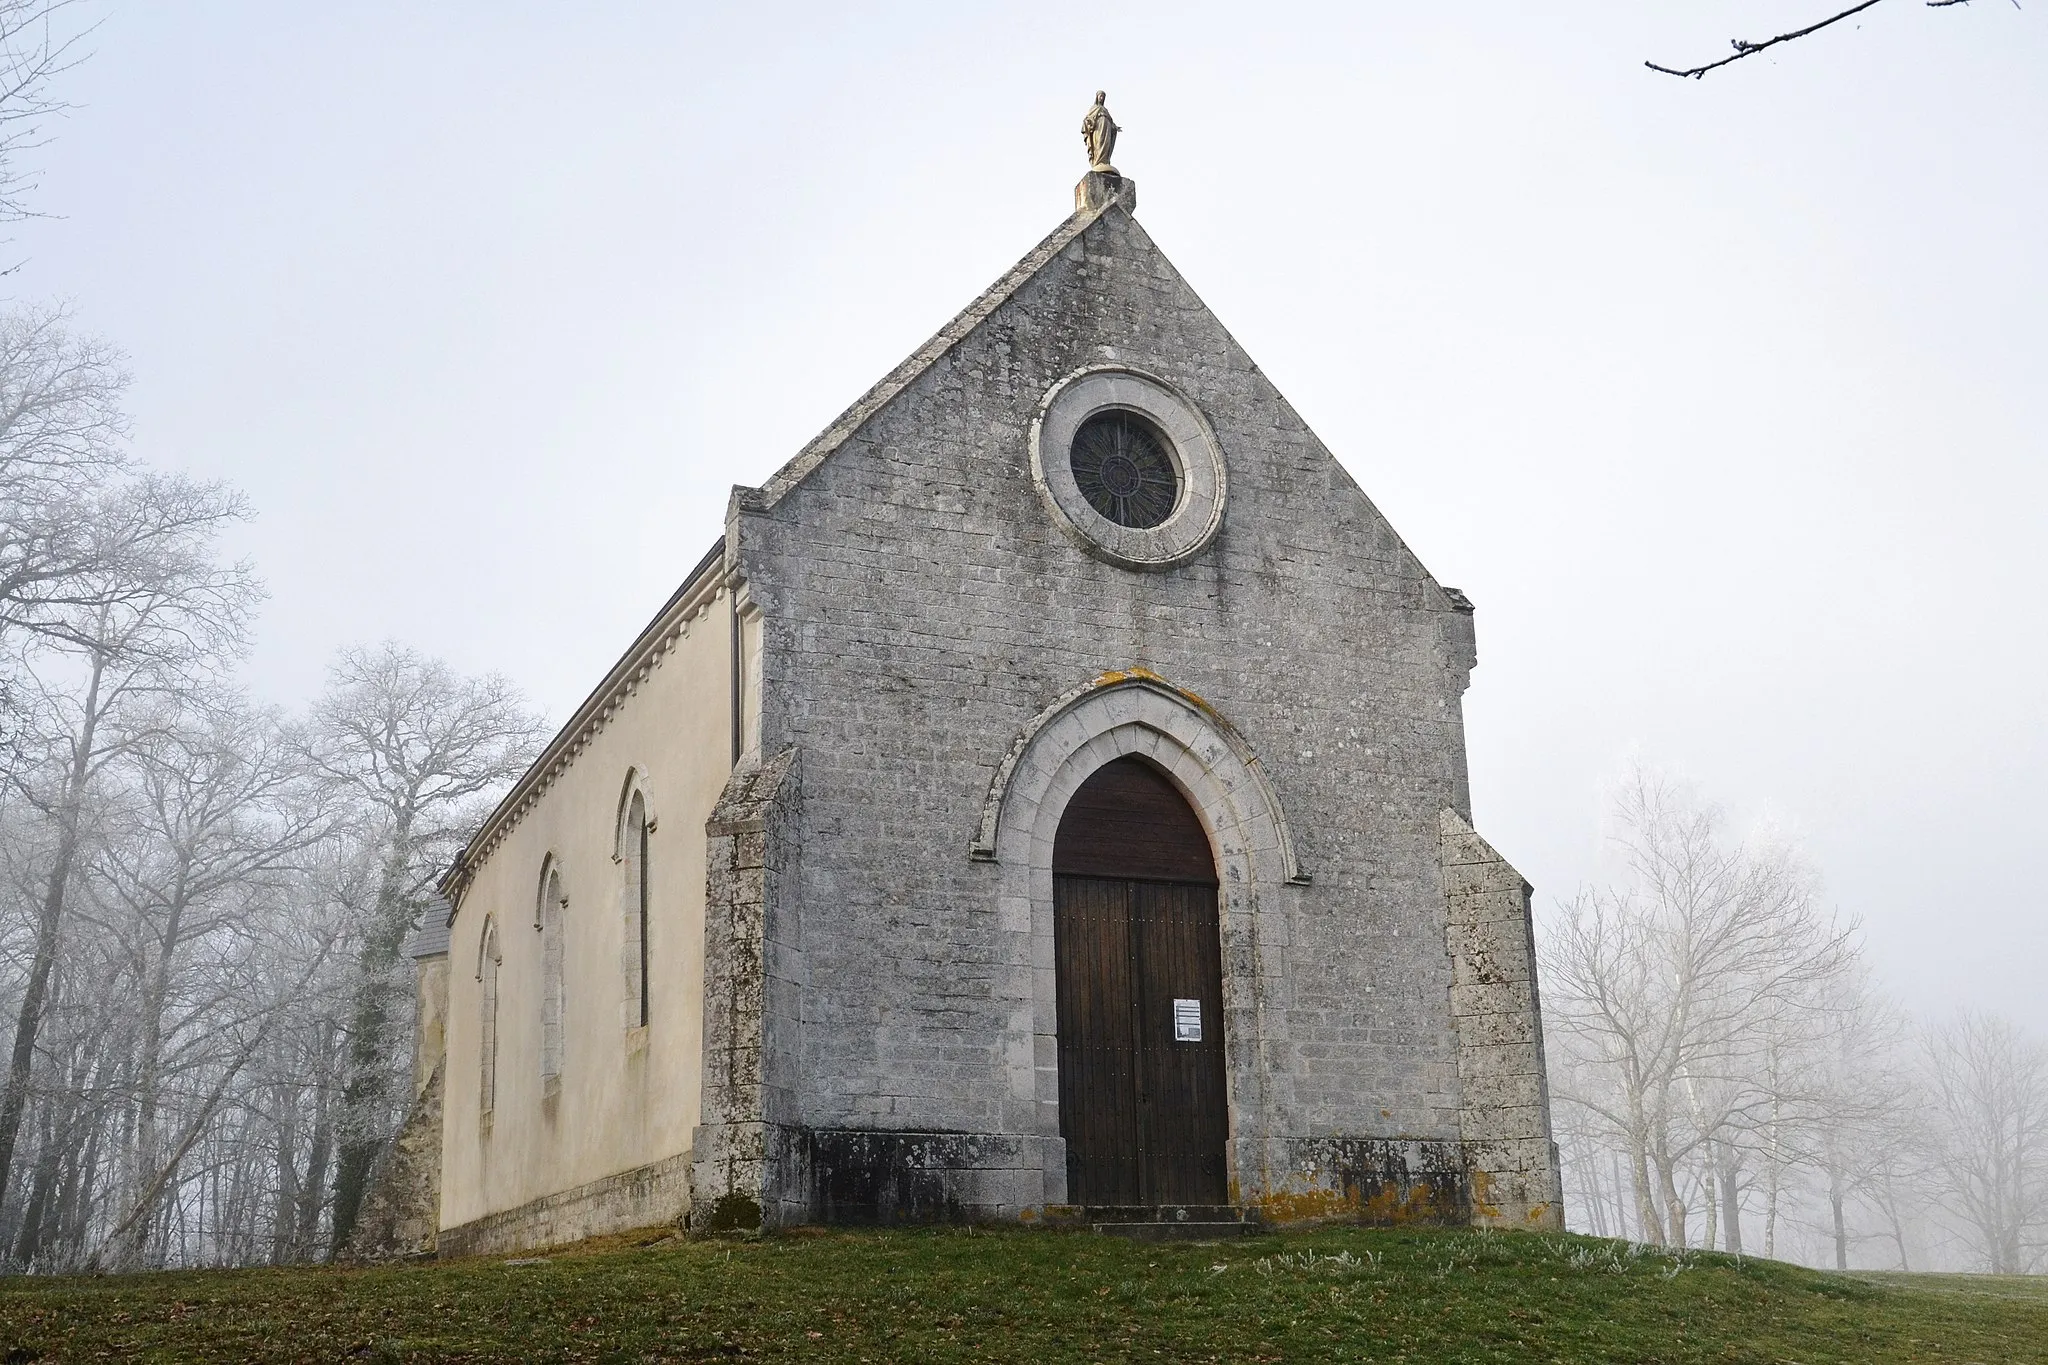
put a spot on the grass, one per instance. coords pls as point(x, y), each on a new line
point(959, 1295)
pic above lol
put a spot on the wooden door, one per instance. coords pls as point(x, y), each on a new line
point(1140, 977)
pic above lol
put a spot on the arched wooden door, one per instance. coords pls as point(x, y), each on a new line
point(1140, 973)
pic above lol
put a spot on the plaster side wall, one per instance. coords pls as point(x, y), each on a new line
point(629, 1096)
point(920, 607)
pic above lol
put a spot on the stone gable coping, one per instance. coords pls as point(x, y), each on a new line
point(870, 404)
point(821, 446)
point(706, 584)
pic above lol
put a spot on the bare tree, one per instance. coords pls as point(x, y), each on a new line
point(39, 41)
point(61, 450)
point(1665, 993)
point(268, 1003)
point(1744, 48)
point(219, 809)
point(1852, 1097)
point(104, 668)
point(1988, 1087)
point(422, 752)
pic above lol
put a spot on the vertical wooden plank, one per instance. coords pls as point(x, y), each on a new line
point(1184, 1113)
point(1098, 1083)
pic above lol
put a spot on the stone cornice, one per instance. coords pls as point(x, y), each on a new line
point(707, 584)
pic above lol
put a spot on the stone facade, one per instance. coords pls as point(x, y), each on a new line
point(931, 649)
point(1504, 1097)
point(646, 1196)
point(401, 1211)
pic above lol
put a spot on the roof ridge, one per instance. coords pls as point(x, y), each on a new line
point(963, 325)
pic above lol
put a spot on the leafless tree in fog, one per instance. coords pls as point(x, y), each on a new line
point(217, 811)
point(1853, 1093)
point(421, 752)
point(102, 671)
point(39, 41)
point(62, 435)
point(202, 905)
point(1716, 1043)
point(1667, 993)
point(1987, 1088)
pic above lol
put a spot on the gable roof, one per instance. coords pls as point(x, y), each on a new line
point(712, 571)
point(963, 326)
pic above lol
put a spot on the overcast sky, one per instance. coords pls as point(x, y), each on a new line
point(1723, 400)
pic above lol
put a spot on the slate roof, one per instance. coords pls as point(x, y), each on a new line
point(431, 938)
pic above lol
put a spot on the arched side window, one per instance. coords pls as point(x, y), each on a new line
point(633, 847)
point(548, 920)
point(487, 959)
point(632, 851)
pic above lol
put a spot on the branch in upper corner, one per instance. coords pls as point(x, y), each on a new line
point(1747, 49)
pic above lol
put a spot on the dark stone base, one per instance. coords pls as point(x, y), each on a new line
point(864, 1177)
point(869, 1177)
point(1382, 1182)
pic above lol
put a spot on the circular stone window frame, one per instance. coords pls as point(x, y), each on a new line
point(1190, 441)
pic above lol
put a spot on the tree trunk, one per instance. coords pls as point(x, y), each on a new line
point(42, 1181)
point(1731, 1198)
point(1674, 1207)
point(74, 1204)
point(370, 1027)
point(154, 1191)
point(1835, 1208)
point(1891, 1213)
point(1771, 1213)
point(149, 1068)
point(313, 1193)
point(35, 996)
point(1647, 1217)
point(1774, 1170)
point(284, 1219)
point(1596, 1199)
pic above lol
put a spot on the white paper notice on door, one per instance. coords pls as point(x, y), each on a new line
point(1187, 1021)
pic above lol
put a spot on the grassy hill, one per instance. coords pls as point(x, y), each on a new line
point(958, 1295)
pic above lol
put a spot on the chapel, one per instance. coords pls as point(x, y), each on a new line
point(1046, 801)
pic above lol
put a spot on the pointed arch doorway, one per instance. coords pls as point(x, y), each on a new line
point(1144, 1107)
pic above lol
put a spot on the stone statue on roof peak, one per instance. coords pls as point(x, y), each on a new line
point(1099, 131)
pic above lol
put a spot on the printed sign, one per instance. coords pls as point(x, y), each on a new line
point(1187, 1021)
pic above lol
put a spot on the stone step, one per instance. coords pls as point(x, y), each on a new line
point(1164, 1213)
point(1189, 1231)
point(1173, 1222)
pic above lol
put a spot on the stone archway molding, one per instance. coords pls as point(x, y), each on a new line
point(1135, 712)
point(1195, 729)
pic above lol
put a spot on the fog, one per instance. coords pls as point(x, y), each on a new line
point(1721, 399)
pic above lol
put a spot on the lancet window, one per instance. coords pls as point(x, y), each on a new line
point(552, 904)
point(488, 959)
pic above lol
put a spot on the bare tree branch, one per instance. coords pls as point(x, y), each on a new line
point(1744, 48)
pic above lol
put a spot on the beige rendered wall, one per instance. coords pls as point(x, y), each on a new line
point(430, 1029)
point(628, 1096)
